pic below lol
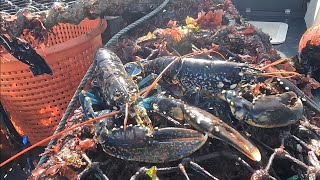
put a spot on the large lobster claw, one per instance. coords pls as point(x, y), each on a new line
point(306, 100)
point(137, 143)
point(207, 123)
point(267, 111)
point(216, 128)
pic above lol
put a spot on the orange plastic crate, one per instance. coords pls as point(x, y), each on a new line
point(35, 105)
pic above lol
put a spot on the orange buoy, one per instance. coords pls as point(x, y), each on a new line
point(309, 52)
point(311, 36)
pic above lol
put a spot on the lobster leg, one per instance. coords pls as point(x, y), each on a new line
point(134, 69)
point(204, 122)
point(146, 80)
point(86, 100)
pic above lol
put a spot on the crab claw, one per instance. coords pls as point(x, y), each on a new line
point(207, 123)
point(137, 143)
point(267, 111)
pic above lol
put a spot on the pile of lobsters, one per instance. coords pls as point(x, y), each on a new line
point(198, 93)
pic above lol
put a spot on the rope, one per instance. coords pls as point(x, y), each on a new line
point(68, 110)
point(116, 37)
point(90, 71)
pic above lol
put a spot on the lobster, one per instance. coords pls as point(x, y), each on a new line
point(225, 80)
point(117, 89)
point(142, 143)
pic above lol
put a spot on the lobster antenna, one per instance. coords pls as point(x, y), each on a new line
point(197, 49)
point(279, 61)
point(126, 116)
point(219, 54)
point(56, 135)
point(274, 74)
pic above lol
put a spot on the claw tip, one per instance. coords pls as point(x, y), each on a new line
point(256, 156)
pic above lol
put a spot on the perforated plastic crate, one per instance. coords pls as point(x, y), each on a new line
point(36, 104)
